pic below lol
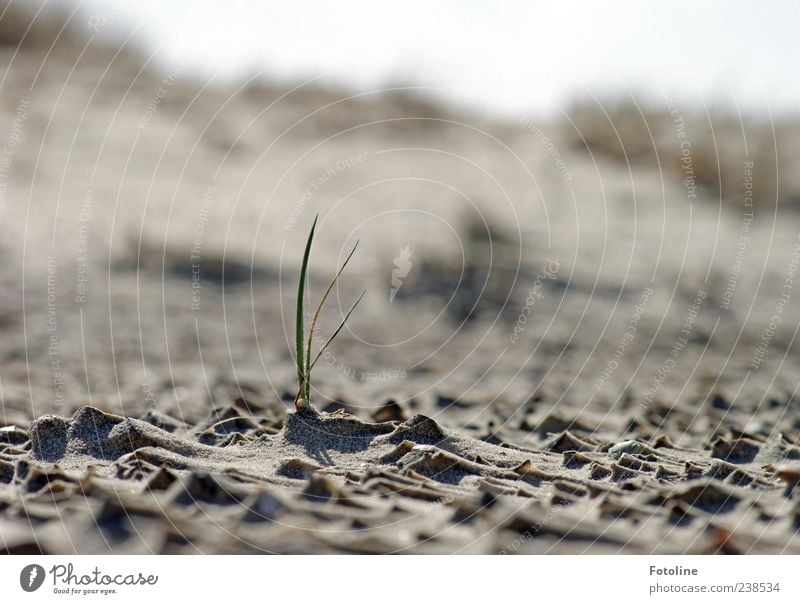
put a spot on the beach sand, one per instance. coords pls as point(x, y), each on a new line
point(580, 354)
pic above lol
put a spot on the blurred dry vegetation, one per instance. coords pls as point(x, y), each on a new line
point(54, 37)
point(628, 130)
point(21, 27)
point(713, 149)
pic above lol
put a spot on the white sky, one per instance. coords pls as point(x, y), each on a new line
point(497, 56)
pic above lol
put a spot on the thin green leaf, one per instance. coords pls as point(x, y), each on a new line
point(299, 322)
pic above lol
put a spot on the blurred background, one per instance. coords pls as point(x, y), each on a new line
point(519, 56)
point(576, 205)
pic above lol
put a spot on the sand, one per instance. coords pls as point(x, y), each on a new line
point(315, 482)
point(581, 355)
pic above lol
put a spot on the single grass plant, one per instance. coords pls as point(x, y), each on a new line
point(303, 357)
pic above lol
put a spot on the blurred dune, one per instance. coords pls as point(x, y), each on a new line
point(119, 165)
point(711, 149)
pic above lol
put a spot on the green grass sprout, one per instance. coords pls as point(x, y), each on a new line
point(303, 357)
point(299, 321)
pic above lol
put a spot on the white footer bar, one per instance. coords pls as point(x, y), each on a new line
point(400, 579)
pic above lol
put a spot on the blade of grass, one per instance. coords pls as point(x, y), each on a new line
point(313, 327)
point(338, 329)
point(299, 322)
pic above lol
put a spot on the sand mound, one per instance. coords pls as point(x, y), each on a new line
point(330, 482)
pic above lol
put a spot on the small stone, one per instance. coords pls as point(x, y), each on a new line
point(789, 473)
point(630, 447)
point(720, 402)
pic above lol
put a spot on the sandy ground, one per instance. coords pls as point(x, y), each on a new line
point(581, 353)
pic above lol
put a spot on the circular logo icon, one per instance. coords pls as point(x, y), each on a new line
point(31, 577)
